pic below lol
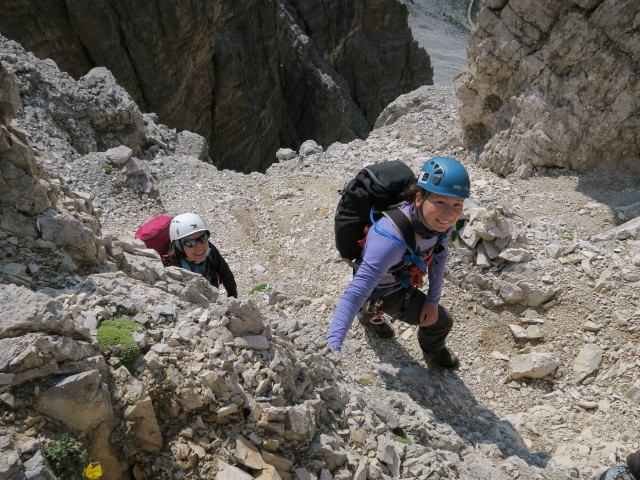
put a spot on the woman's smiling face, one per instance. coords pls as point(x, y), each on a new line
point(197, 253)
point(439, 212)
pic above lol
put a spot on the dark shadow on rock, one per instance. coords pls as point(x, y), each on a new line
point(444, 393)
point(615, 189)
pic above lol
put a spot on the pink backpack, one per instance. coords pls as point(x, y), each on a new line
point(155, 234)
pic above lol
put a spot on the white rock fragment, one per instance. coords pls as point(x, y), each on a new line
point(518, 332)
point(633, 393)
point(587, 362)
point(119, 155)
point(533, 365)
point(590, 326)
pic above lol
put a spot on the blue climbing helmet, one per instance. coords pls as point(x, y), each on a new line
point(445, 176)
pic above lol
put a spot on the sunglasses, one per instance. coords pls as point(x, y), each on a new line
point(192, 242)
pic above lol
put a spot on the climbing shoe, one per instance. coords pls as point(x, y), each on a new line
point(633, 463)
point(375, 324)
point(617, 473)
point(443, 357)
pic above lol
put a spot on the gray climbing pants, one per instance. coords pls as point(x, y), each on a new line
point(406, 305)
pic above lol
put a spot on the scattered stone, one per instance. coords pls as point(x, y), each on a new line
point(591, 326)
point(119, 155)
point(587, 362)
point(633, 393)
point(533, 365)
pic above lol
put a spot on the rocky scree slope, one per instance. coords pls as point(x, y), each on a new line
point(442, 28)
point(248, 76)
point(239, 388)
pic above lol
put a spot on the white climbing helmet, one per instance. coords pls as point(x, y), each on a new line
point(184, 225)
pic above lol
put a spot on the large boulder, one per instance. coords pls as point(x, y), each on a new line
point(553, 84)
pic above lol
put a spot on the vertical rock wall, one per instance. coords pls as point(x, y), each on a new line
point(554, 84)
point(36, 210)
point(249, 76)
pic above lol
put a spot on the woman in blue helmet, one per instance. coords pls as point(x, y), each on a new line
point(433, 207)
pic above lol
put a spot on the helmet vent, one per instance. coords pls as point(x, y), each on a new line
point(438, 171)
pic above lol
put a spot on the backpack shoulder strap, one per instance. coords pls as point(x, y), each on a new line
point(400, 220)
point(400, 271)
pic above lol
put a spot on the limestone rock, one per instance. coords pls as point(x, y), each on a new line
point(628, 230)
point(79, 401)
point(119, 155)
point(139, 413)
point(533, 365)
point(634, 392)
point(527, 65)
point(70, 234)
point(9, 96)
point(23, 310)
point(245, 318)
point(10, 463)
point(229, 472)
point(248, 455)
point(314, 65)
point(587, 362)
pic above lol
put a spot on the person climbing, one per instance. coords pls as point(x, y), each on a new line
point(629, 471)
point(432, 207)
point(191, 249)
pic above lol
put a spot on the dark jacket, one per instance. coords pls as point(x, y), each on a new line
point(217, 270)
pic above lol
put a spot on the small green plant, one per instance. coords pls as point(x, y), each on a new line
point(452, 20)
point(568, 235)
point(365, 381)
point(525, 350)
point(118, 332)
point(67, 457)
point(108, 169)
point(455, 233)
point(258, 288)
point(401, 436)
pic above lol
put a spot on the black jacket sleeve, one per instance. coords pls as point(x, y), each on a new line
point(222, 270)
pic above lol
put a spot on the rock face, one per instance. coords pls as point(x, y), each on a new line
point(35, 206)
point(247, 388)
point(248, 76)
point(553, 84)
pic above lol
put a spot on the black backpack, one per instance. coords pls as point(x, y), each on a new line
point(377, 186)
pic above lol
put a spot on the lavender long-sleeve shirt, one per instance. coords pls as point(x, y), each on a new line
point(379, 255)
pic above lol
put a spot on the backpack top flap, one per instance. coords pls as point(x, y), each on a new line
point(378, 186)
point(155, 234)
point(385, 182)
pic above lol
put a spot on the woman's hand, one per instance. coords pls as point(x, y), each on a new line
point(428, 316)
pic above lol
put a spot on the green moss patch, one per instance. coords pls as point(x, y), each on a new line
point(118, 332)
